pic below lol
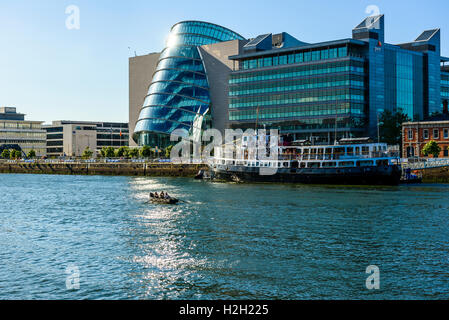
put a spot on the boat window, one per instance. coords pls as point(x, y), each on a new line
point(381, 163)
point(314, 165)
point(365, 151)
point(329, 164)
point(303, 165)
point(357, 151)
point(285, 164)
point(257, 164)
point(366, 163)
point(338, 152)
point(346, 164)
point(329, 153)
point(350, 151)
point(305, 153)
point(321, 154)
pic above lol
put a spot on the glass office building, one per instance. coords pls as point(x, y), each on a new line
point(178, 96)
point(323, 91)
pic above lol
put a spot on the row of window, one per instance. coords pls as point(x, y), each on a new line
point(445, 92)
point(292, 86)
point(22, 135)
point(20, 125)
point(295, 72)
point(300, 57)
point(297, 98)
point(206, 29)
point(25, 144)
point(435, 134)
point(326, 124)
point(189, 39)
point(298, 111)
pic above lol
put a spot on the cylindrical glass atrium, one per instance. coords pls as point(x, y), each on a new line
point(178, 96)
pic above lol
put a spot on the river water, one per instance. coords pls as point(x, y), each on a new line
point(226, 241)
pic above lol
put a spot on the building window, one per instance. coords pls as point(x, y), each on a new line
point(446, 152)
point(426, 134)
point(446, 133)
point(410, 134)
point(436, 133)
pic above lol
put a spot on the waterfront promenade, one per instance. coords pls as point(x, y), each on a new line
point(101, 167)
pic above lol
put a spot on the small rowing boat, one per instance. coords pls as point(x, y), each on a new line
point(163, 200)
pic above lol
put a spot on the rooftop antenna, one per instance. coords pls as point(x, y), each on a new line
point(135, 52)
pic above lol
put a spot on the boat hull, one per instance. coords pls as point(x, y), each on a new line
point(164, 201)
point(379, 175)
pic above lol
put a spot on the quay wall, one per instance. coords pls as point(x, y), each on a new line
point(111, 169)
point(436, 175)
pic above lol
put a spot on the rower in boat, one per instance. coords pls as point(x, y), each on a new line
point(162, 198)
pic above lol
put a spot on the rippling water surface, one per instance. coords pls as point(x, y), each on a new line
point(226, 241)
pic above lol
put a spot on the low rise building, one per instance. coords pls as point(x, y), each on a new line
point(71, 138)
point(18, 133)
point(415, 135)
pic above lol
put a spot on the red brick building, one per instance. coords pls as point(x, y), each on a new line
point(415, 135)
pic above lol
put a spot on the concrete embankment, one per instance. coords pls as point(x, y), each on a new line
point(436, 175)
point(113, 169)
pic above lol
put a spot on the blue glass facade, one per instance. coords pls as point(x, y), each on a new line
point(317, 91)
point(307, 92)
point(178, 96)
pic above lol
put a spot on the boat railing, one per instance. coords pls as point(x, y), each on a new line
point(336, 156)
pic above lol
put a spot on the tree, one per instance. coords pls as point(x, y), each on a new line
point(122, 152)
point(145, 152)
point(107, 152)
point(87, 153)
point(168, 151)
point(390, 126)
point(431, 148)
point(134, 152)
point(15, 154)
point(103, 152)
point(5, 154)
point(31, 154)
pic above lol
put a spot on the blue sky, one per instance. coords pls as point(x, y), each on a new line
point(52, 73)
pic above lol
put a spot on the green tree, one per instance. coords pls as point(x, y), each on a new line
point(103, 152)
point(15, 154)
point(122, 152)
point(5, 154)
point(12, 154)
point(431, 148)
point(390, 126)
point(168, 151)
point(31, 154)
point(145, 152)
point(87, 153)
point(134, 152)
point(107, 152)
